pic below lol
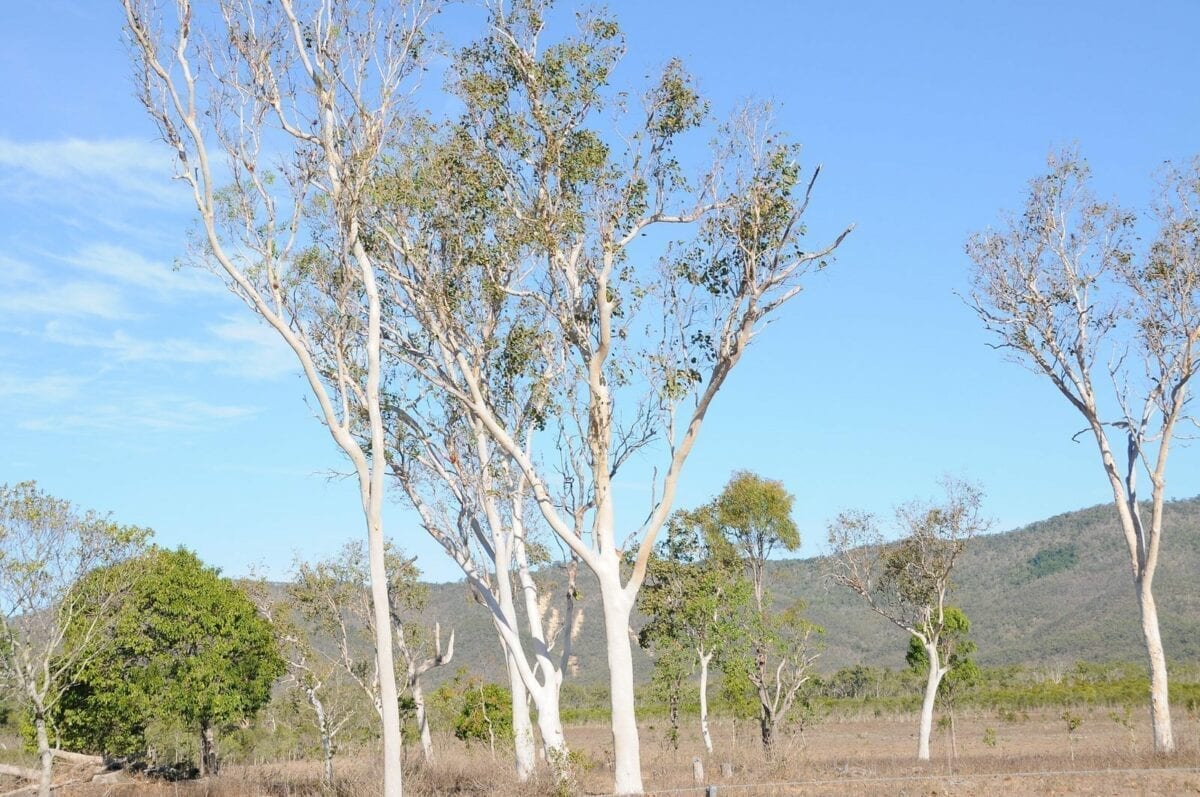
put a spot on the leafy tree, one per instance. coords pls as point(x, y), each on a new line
point(907, 581)
point(518, 236)
point(334, 595)
point(751, 519)
point(50, 623)
point(280, 115)
point(692, 597)
point(954, 650)
point(186, 645)
point(1066, 292)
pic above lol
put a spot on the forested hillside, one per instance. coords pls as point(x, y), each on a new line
point(1057, 590)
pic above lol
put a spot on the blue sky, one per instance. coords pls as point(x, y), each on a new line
point(128, 386)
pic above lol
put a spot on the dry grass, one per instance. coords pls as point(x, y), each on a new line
point(852, 756)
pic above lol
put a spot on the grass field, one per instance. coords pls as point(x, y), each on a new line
point(1011, 754)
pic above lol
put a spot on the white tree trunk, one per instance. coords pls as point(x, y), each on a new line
point(418, 696)
point(1160, 705)
point(524, 749)
point(314, 700)
point(704, 660)
point(388, 693)
point(931, 686)
point(554, 741)
point(627, 763)
point(45, 756)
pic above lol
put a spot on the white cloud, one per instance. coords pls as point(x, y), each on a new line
point(64, 299)
point(234, 346)
point(154, 413)
point(51, 388)
point(133, 269)
point(120, 169)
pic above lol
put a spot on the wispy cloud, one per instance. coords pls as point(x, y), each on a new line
point(234, 346)
point(78, 299)
point(50, 388)
point(167, 283)
point(124, 169)
point(154, 413)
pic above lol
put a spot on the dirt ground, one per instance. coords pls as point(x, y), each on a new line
point(1108, 754)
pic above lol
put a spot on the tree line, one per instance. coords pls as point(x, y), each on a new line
point(501, 309)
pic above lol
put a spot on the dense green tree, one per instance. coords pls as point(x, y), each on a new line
point(692, 597)
point(187, 645)
point(47, 547)
point(750, 520)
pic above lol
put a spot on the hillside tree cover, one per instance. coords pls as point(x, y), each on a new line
point(907, 581)
point(49, 625)
point(184, 644)
point(1068, 292)
point(280, 114)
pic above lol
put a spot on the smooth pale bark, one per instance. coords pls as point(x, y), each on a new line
point(704, 660)
point(1160, 704)
point(932, 681)
point(314, 700)
point(388, 693)
point(627, 761)
point(208, 751)
point(45, 756)
point(418, 696)
point(524, 749)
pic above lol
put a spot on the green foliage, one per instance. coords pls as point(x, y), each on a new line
point(478, 711)
point(1052, 560)
point(187, 645)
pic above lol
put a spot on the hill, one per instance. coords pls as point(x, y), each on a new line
point(1055, 591)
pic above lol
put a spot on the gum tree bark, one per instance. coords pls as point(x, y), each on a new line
point(907, 581)
point(231, 88)
point(1061, 287)
point(518, 276)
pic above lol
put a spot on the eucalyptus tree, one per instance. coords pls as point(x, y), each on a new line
point(279, 115)
point(531, 256)
point(51, 623)
point(749, 521)
point(955, 649)
point(319, 677)
point(334, 596)
point(475, 504)
point(908, 580)
point(694, 598)
point(1068, 293)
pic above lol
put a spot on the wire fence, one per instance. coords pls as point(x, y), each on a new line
point(714, 789)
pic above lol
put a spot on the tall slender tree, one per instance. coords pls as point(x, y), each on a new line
point(279, 114)
point(908, 580)
point(522, 237)
point(1068, 293)
point(694, 598)
point(751, 519)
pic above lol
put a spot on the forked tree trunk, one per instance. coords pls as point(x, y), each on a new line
point(704, 660)
point(45, 755)
point(524, 749)
point(1160, 704)
point(932, 681)
point(627, 765)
